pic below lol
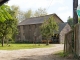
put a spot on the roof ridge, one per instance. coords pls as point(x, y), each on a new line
point(39, 16)
point(39, 19)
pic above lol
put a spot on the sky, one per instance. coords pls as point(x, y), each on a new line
point(63, 8)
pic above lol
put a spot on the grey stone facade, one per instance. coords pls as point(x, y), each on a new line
point(29, 30)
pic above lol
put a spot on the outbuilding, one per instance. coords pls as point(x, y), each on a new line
point(29, 29)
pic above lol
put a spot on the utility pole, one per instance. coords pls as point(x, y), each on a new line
point(75, 16)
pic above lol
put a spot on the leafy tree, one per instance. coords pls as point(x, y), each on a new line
point(7, 24)
point(4, 15)
point(70, 21)
point(37, 13)
point(20, 15)
point(40, 12)
point(48, 28)
point(15, 10)
point(17, 13)
point(28, 14)
point(14, 25)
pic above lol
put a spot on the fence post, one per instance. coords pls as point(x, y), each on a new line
point(77, 40)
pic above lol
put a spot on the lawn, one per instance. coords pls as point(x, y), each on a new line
point(22, 46)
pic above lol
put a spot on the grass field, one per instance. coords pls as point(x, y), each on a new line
point(22, 46)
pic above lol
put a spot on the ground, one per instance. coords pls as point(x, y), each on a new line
point(33, 54)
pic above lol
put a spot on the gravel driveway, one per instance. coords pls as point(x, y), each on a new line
point(32, 54)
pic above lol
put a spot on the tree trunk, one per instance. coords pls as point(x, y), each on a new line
point(47, 42)
point(3, 41)
point(7, 42)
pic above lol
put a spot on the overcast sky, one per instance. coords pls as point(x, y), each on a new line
point(63, 8)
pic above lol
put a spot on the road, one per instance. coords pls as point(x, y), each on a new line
point(31, 54)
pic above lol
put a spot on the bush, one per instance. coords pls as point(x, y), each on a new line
point(22, 41)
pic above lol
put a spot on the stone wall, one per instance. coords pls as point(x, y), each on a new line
point(30, 33)
point(65, 30)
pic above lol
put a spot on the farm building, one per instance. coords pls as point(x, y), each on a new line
point(29, 29)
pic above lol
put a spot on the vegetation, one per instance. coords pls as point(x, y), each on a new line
point(70, 21)
point(21, 15)
point(9, 19)
point(48, 28)
point(4, 15)
point(60, 53)
point(67, 55)
point(22, 46)
point(28, 14)
point(8, 23)
point(40, 12)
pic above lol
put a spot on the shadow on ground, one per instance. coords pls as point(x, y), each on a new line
point(43, 57)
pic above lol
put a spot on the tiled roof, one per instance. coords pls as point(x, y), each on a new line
point(61, 26)
point(37, 20)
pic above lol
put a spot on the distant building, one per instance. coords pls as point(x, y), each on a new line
point(29, 29)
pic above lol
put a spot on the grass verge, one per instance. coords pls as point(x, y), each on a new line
point(60, 53)
point(22, 46)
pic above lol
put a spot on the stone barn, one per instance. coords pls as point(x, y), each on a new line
point(29, 29)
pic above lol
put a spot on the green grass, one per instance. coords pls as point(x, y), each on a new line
point(22, 46)
point(60, 53)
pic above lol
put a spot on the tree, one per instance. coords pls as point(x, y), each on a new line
point(14, 25)
point(28, 14)
point(7, 24)
point(48, 28)
point(70, 21)
point(4, 15)
point(16, 12)
point(40, 12)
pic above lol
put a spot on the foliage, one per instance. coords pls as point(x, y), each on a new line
point(16, 12)
point(40, 12)
point(4, 15)
point(48, 28)
point(61, 53)
point(8, 25)
point(22, 46)
point(37, 13)
point(27, 14)
point(70, 21)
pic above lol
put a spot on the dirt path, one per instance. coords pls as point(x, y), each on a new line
point(31, 54)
